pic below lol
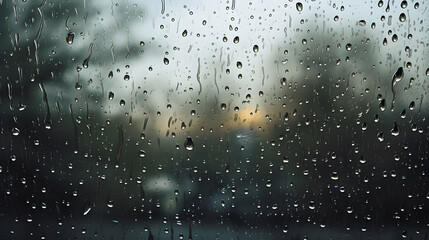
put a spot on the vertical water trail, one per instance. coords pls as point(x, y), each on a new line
point(47, 120)
point(198, 76)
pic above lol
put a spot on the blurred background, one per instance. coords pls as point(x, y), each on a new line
point(214, 119)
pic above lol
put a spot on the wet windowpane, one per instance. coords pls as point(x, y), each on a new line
point(214, 119)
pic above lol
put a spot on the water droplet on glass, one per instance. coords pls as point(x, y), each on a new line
point(184, 33)
point(427, 72)
point(142, 154)
point(395, 130)
point(334, 175)
point(110, 75)
point(312, 205)
point(403, 113)
point(404, 4)
point(122, 103)
point(382, 105)
point(239, 65)
point(111, 95)
point(236, 39)
point(166, 61)
point(15, 131)
point(362, 22)
point(402, 17)
point(380, 136)
point(223, 106)
point(299, 6)
point(85, 63)
point(70, 38)
point(348, 47)
point(127, 77)
point(189, 144)
point(412, 105)
point(256, 49)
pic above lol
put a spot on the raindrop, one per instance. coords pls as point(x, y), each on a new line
point(299, 6)
point(412, 105)
point(312, 205)
point(334, 175)
point(382, 105)
point(15, 131)
point(395, 130)
point(223, 106)
point(111, 95)
point(236, 39)
point(403, 113)
point(239, 65)
point(189, 144)
point(184, 33)
point(166, 61)
point(362, 22)
point(402, 17)
point(380, 136)
point(142, 154)
point(110, 75)
point(127, 77)
point(404, 4)
point(348, 47)
point(122, 103)
point(70, 38)
point(256, 49)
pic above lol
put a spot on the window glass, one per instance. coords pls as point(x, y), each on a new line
point(214, 119)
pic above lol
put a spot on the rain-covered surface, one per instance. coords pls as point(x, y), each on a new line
point(214, 119)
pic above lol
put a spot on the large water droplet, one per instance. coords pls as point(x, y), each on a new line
point(382, 105)
point(399, 74)
point(299, 6)
point(236, 39)
point(142, 154)
point(189, 144)
point(402, 17)
point(256, 49)
point(70, 38)
point(184, 33)
point(395, 130)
